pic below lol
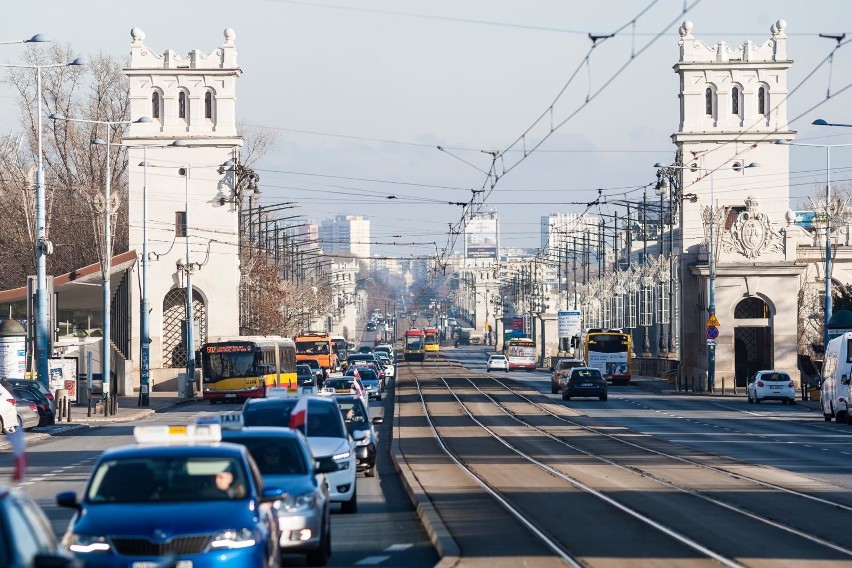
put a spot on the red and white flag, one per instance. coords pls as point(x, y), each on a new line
point(356, 374)
point(299, 414)
point(19, 451)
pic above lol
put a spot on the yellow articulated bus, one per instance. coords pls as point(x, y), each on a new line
point(433, 339)
point(237, 368)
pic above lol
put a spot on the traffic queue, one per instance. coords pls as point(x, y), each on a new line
point(237, 488)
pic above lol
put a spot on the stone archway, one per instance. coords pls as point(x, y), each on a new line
point(753, 349)
point(174, 311)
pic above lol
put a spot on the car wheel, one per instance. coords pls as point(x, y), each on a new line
point(840, 417)
point(565, 396)
point(750, 400)
point(602, 397)
point(319, 557)
point(827, 417)
point(848, 417)
point(757, 400)
point(350, 507)
point(379, 397)
point(554, 389)
point(784, 401)
point(370, 471)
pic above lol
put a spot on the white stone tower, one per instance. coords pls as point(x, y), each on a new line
point(190, 100)
point(733, 108)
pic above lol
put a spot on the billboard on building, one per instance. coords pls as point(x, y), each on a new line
point(481, 238)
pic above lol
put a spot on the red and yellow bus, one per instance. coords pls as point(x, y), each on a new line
point(414, 345)
point(245, 367)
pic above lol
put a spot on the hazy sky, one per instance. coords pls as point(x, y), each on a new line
point(362, 92)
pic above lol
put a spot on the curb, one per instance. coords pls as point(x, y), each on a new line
point(440, 536)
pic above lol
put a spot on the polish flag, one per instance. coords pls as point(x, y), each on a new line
point(19, 451)
point(299, 414)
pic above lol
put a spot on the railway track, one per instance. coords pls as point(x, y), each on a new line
point(595, 498)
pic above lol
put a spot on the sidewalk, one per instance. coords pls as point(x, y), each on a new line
point(128, 411)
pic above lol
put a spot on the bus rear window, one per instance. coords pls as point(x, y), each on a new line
point(608, 343)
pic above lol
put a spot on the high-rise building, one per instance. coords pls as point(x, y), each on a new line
point(561, 229)
point(346, 233)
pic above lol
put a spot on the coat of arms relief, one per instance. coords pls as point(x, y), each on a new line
point(752, 234)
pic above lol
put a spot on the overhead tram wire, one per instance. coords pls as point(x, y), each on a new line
point(494, 177)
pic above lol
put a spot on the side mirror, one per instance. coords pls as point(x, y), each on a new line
point(378, 420)
point(359, 435)
point(271, 494)
point(844, 380)
point(68, 499)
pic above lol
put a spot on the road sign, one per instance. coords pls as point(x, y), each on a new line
point(568, 323)
point(712, 332)
point(712, 322)
point(711, 343)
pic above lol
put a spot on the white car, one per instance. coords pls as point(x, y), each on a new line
point(497, 362)
point(9, 419)
point(326, 434)
point(771, 385)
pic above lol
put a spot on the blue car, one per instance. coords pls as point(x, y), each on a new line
point(177, 493)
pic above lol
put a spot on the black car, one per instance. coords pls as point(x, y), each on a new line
point(34, 396)
point(319, 373)
point(585, 381)
point(305, 375)
point(370, 326)
point(357, 418)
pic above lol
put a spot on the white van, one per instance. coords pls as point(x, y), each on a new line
point(836, 372)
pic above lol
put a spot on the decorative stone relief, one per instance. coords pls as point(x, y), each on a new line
point(752, 235)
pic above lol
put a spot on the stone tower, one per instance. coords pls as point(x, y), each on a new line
point(733, 108)
point(190, 203)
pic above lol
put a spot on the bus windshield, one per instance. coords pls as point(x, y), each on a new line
point(224, 364)
point(414, 342)
point(602, 343)
point(311, 347)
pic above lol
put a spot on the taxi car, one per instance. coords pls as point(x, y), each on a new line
point(326, 434)
point(178, 492)
point(285, 461)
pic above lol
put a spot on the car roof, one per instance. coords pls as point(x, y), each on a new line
point(260, 432)
point(218, 449)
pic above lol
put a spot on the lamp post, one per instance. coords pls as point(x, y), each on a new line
point(106, 288)
point(711, 263)
point(43, 246)
point(827, 307)
point(38, 38)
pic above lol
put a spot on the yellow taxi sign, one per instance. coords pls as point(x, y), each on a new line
point(712, 321)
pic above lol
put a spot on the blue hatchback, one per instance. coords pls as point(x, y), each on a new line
point(180, 494)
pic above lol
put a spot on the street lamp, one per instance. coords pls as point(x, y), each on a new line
point(38, 38)
point(43, 246)
point(827, 307)
point(711, 262)
point(106, 287)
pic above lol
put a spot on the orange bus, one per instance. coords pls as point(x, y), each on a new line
point(319, 346)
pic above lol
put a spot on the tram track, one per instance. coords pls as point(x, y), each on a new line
point(473, 402)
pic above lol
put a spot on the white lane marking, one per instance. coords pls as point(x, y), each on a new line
point(398, 547)
point(372, 560)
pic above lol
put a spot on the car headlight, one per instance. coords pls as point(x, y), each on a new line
point(366, 441)
point(342, 457)
point(242, 538)
point(293, 503)
point(85, 544)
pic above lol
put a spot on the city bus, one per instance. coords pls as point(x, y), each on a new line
point(319, 346)
point(433, 339)
point(520, 352)
point(609, 351)
point(414, 345)
point(238, 368)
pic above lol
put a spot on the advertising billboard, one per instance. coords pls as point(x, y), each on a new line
point(480, 236)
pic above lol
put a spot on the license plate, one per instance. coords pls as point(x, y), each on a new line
point(775, 386)
point(230, 395)
point(179, 564)
point(586, 385)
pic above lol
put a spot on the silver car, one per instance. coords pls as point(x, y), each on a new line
point(285, 461)
point(28, 416)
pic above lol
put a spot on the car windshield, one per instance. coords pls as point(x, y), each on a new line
point(364, 374)
point(276, 456)
point(167, 479)
point(775, 377)
point(338, 384)
point(353, 411)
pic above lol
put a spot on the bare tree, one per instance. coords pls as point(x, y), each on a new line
point(75, 171)
point(257, 142)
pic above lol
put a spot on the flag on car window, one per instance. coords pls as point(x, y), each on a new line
point(299, 414)
point(19, 451)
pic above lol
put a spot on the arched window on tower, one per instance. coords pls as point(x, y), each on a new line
point(182, 104)
point(761, 101)
point(208, 105)
point(751, 308)
point(708, 102)
point(155, 105)
point(735, 101)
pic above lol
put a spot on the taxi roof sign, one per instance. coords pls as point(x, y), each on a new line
point(178, 434)
point(712, 321)
point(225, 420)
point(283, 392)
